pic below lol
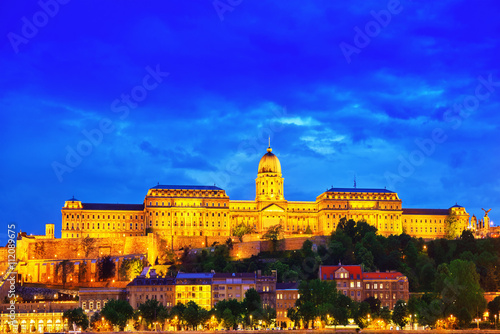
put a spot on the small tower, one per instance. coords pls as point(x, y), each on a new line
point(269, 181)
point(49, 231)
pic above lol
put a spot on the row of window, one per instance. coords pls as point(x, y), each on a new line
point(303, 227)
point(382, 296)
point(181, 224)
point(202, 295)
point(185, 204)
point(351, 284)
point(195, 233)
point(109, 226)
point(384, 198)
point(287, 296)
point(94, 236)
point(187, 193)
point(380, 286)
point(430, 229)
point(425, 221)
point(285, 305)
point(103, 216)
point(187, 214)
point(91, 305)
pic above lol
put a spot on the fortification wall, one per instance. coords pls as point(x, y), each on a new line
point(4, 264)
point(40, 249)
point(246, 248)
point(39, 258)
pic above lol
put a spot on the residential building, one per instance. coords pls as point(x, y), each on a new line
point(227, 286)
point(286, 296)
point(143, 288)
point(195, 287)
point(266, 287)
point(388, 287)
point(92, 300)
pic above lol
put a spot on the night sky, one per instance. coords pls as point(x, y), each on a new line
point(398, 95)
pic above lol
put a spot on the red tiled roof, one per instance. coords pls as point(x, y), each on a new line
point(354, 271)
point(383, 275)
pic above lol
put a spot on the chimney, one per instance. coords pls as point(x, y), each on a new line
point(152, 273)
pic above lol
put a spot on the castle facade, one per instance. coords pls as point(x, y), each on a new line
point(173, 210)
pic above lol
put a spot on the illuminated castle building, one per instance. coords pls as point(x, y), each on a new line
point(173, 210)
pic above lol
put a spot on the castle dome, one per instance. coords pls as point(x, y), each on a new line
point(269, 163)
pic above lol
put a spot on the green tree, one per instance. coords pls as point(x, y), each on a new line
point(341, 307)
point(461, 288)
point(306, 250)
point(307, 312)
point(348, 226)
point(374, 305)
point(361, 229)
point(385, 315)
point(228, 319)
point(280, 267)
point(427, 276)
point(430, 311)
point(177, 312)
point(314, 294)
point(360, 314)
point(494, 308)
point(252, 302)
point(452, 226)
point(241, 229)
point(230, 312)
point(268, 315)
point(411, 254)
point(464, 318)
point(293, 315)
point(365, 257)
point(340, 316)
point(117, 312)
point(290, 276)
point(150, 310)
point(275, 235)
point(340, 248)
point(78, 317)
point(414, 309)
point(130, 268)
point(106, 267)
point(400, 314)
point(95, 319)
point(194, 314)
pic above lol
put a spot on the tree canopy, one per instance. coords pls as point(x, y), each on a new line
point(117, 312)
point(78, 317)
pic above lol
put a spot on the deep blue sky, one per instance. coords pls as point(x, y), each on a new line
point(265, 68)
